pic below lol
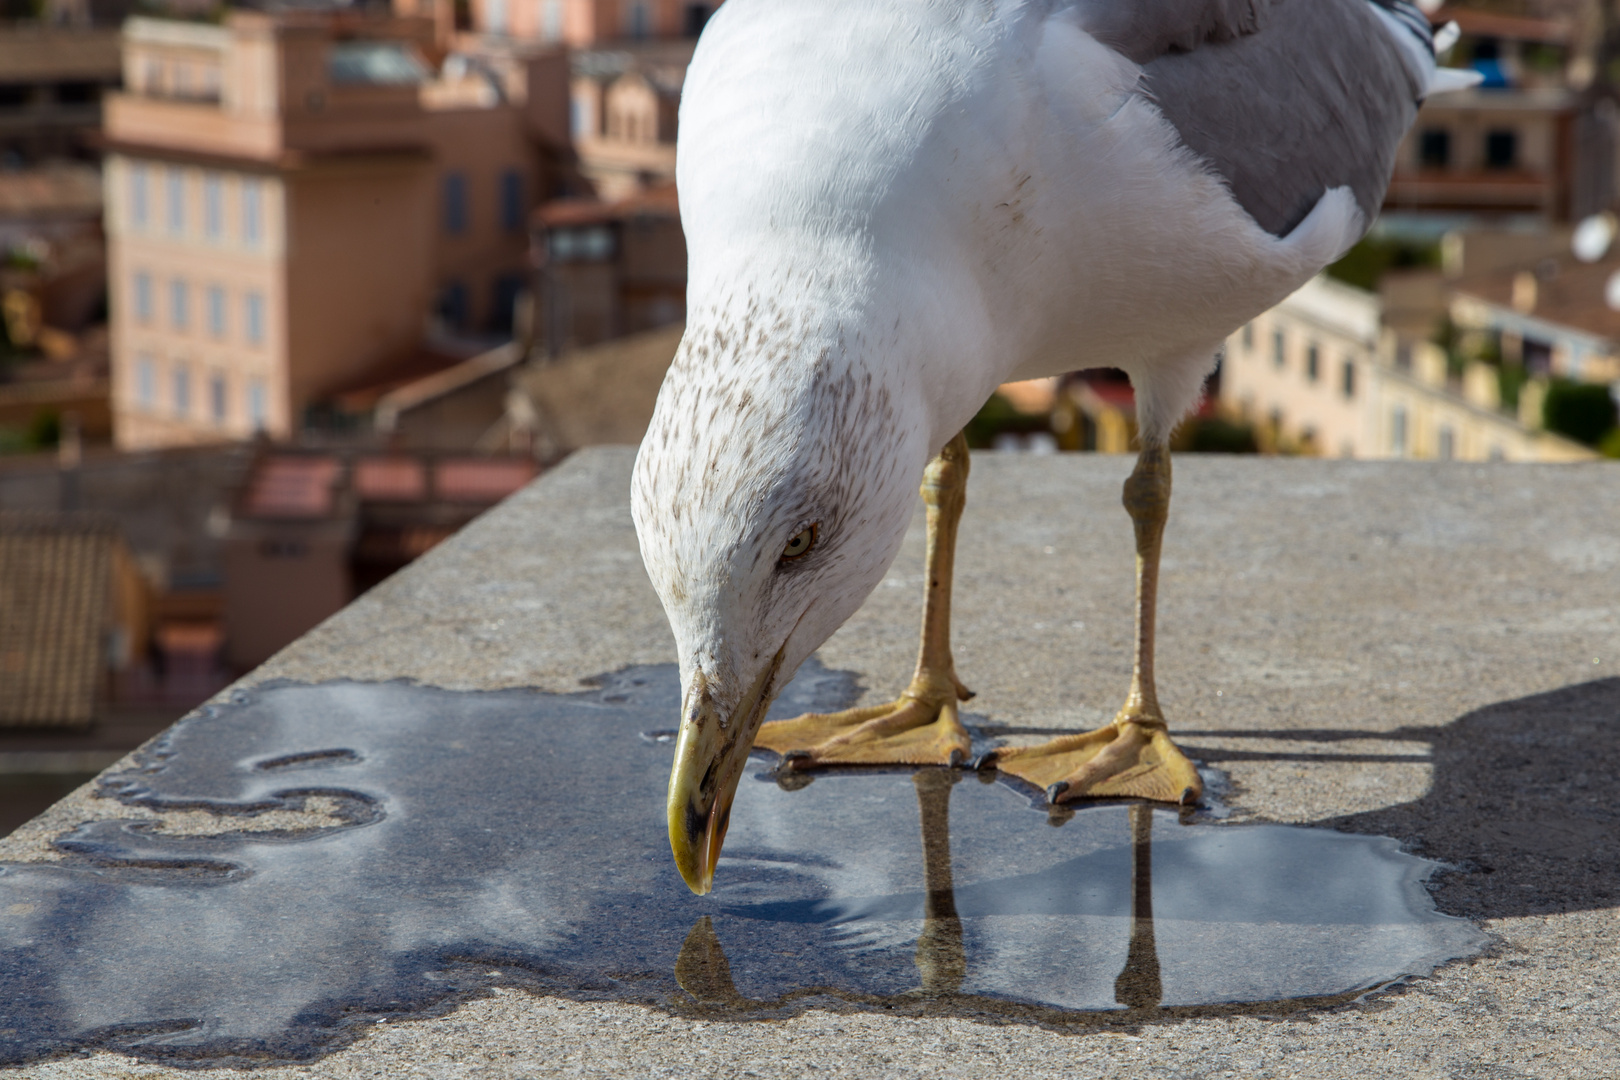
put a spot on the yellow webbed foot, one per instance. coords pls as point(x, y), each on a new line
point(1131, 758)
point(911, 731)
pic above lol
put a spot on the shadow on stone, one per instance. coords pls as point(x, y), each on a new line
point(1525, 800)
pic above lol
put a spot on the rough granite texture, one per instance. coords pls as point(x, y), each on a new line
point(1425, 651)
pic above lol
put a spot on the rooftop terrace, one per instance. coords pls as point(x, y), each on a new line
point(1423, 651)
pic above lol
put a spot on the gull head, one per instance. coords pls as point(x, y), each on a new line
point(770, 494)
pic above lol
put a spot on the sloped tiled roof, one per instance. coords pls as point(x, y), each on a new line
point(482, 480)
point(1567, 292)
point(55, 599)
point(292, 486)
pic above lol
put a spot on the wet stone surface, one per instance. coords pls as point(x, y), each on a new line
point(514, 838)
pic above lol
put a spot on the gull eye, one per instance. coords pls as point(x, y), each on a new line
point(800, 545)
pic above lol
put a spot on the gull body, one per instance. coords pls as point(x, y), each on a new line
point(893, 206)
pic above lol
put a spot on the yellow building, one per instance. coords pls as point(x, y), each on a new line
point(293, 201)
point(1318, 374)
point(1303, 372)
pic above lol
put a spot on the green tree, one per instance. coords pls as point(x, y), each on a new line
point(1584, 412)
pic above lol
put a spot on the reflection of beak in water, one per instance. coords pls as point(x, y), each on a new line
point(703, 971)
point(1138, 985)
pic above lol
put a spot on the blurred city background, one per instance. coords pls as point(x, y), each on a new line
point(289, 292)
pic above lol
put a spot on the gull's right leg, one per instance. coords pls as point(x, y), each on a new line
point(922, 727)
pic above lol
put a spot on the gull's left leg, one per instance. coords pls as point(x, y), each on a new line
point(1133, 756)
point(921, 728)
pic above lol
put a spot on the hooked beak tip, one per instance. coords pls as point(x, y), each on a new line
point(697, 852)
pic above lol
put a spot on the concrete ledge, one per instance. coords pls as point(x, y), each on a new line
point(1430, 652)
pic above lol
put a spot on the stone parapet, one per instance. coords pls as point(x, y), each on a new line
point(1426, 651)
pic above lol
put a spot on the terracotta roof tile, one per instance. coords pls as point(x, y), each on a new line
point(55, 604)
point(292, 487)
point(391, 479)
point(481, 479)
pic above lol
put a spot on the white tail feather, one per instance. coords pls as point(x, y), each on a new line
point(1446, 37)
point(1445, 80)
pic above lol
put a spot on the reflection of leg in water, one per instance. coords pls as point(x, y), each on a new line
point(702, 969)
point(1138, 984)
point(940, 958)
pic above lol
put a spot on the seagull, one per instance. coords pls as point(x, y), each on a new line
point(892, 207)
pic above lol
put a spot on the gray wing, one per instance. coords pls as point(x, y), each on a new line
point(1146, 29)
point(1283, 98)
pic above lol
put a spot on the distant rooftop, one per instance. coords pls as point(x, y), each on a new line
point(295, 485)
point(1559, 290)
point(56, 598)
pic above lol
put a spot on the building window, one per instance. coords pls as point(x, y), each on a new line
point(507, 289)
point(1347, 380)
point(213, 206)
point(551, 20)
point(216, 397)
point(1279, 349)
point(697, 16)
point(256, 404)
point(179, 304)
point(1313, 363)
point(216, 311)
point(579, 118)
point(143, 296)
point(1397, 431)
point(1501, 149)
point(455, 203)
point(1448, 443)
point(1434, 148)
point(138, 196)
point(1248, 337)
point(146, 381)
point(175, 186)
point(512, 201)
point(639, 19)
point(253, 318)
point(495, 16)
point(182, 389)
point(453, 306)
point(251, 199)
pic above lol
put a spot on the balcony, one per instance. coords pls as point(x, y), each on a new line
point(1482, 190)
point(1429, 652)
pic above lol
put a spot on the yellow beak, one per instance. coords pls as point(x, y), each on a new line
point(710, 755)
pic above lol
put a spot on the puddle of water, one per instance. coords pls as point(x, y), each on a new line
point(516, 838)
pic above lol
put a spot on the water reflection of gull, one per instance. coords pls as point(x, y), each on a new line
point(941, 957)
point(1311, 912)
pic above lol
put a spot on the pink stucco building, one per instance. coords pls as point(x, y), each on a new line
point(583, 24)
point(295, 200)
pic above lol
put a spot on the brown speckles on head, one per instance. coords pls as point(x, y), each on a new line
point(769, 422)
